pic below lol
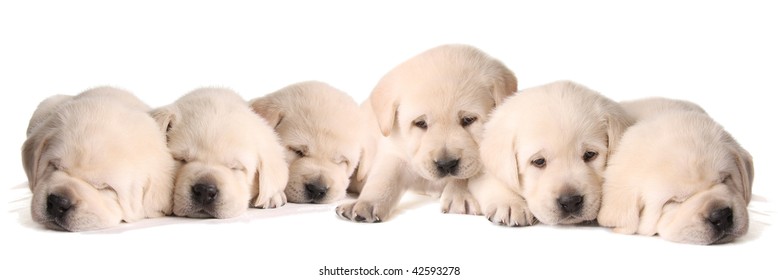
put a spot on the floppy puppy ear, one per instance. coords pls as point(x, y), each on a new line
point(158, 194)
point(32, 149)
point(617, 123)
point(620, 209)
point(498, 151)
point(272, 171)
point(268, 110)
point(45, 109)
point(745, 166)
point(165, 117)
point(504, 84)
point(362, 169)
point(385, 100)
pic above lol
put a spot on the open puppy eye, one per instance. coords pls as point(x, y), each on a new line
point(539, 163)
point(420, 124)
point(298, 152)
point(466, 121)
point(589, 156)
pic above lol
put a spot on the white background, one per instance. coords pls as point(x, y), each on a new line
point(721, 55)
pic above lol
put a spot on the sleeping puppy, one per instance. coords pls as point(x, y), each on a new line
point(95, 160)
point(544, 152)
point(321, 129)
point(429, 113)
point(678, 174)
point(227, 155)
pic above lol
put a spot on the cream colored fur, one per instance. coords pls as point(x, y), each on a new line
point(674, 168)
point(102, 153)
point(321, 128)
point(557, 124)
point(219, 142)
point(428, 110)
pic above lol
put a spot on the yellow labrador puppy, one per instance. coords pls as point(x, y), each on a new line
point(227, 155)
point(429, 112)
point(321, 129)
point(678, 174)
point(545, 152)
point(96, 159)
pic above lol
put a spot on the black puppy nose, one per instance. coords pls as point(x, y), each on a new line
point(721, 219)
point(570, 203)
point(204, 193)
point(315, 191)
point(57, 206)
point(447, 166)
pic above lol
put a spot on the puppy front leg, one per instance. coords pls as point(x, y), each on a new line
point(500, 204)
point(457, 199)
point(382, 191)
point(620, 209)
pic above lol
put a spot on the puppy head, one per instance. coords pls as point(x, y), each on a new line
point(321, 129)
point(64, 202)
point(692, 185)
point(220, 146)
point(435, 104)
point(117, 173)
point(551, 144)
point(650, 107)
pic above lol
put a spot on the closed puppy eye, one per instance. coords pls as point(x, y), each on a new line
point(298, 152)
point(54, 164)
point(589, 156)
point(539, 163)
point(237, 167)
point(182, 160)
point(420, 124)
point(466, 121)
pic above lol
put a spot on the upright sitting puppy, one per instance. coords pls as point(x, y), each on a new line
point(678, 174)
point(544, 154)
point(430, 111)
point(321, 129)
point(95, 160)
point(227, 155)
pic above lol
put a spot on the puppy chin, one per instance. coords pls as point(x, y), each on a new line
point(428, 170)
point(558, 219)
point(551, 215)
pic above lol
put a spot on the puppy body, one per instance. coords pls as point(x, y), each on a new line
point(545, 152)
point(678, 174)
point(227, 155)
point(429, 112)
point(321, 129)
point(95, 160)
point(655, 106)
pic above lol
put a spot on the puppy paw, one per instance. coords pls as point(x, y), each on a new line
point(271, 201)
point(458, 200)
point(624, 230)
point(361, 211)
point(510, 214)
